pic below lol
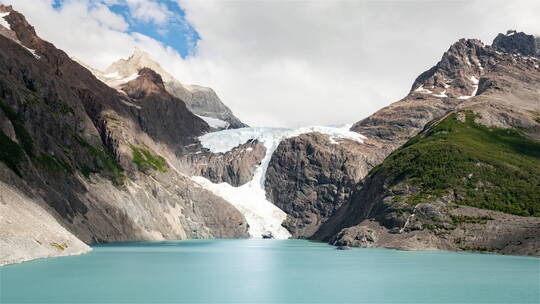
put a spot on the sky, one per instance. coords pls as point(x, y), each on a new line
point(281, 63)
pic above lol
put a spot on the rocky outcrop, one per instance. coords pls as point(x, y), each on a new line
point(200, 100)
point(235, 167)
point(205, 102)
point(452, 81)
point(517, 43)
point(162, 116)
point(311, 175)
point(101, 162)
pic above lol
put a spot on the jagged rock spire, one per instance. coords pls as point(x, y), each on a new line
point(517, 43)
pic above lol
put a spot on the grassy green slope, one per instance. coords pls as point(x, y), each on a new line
point(489, 168)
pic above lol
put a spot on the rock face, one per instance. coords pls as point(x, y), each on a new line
point(30, 231)
point(309, 177)
point(517, 43)
point(200, 100)
point(235, 167)
point(100, 162)
point(447, 188)
point(162, 116)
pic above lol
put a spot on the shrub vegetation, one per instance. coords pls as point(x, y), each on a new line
point(489, 168)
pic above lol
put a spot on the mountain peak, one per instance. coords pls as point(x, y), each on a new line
point(515, 42)
point(147, 83)
point(151, 75)
point(139, 54)
point(457, 73)
point(200, 100)
point(16, 22)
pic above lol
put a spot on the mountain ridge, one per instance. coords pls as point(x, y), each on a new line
point(202, 101)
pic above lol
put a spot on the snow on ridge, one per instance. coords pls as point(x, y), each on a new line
point(442, 94)
point(263, 217)
point(128, 79)
point(214, 122)
point(3, 20)
point(112, 75)
point(421, 89)
point(480, 67)
point(475, 82)
point(226, 140)
point(33, 52)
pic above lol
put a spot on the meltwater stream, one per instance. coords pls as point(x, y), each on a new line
point(269, 271)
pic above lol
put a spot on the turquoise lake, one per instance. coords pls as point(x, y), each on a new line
point(271, 271)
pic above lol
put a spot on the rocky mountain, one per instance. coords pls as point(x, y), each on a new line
point(517, 43)
point(84, 163)
point(315, 185)
point(200, 100)
point(469, 179)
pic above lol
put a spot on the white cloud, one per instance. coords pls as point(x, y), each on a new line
point(149, 11)
point(324, 62)
point(102, 13)
point(290, 63)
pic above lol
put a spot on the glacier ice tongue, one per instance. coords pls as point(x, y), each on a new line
point(263, 217)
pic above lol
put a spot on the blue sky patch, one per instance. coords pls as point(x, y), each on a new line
point(176, 32)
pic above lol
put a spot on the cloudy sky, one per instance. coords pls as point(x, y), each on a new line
point(281, 63)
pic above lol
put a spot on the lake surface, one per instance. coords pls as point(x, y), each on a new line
point(270, 271)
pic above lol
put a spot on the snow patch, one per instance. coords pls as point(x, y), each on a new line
point(333, 141)
point(421, 89)
point(475, 81)
point(443, 94)
point(480, 66)
point(263, 217)
point(33, 52)
point(128, 79)
point(214, 122)
point(3, 20)
point(112, 75)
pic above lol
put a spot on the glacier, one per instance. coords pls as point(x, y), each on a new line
point(263, 217)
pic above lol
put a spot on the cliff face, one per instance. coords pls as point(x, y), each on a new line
point(517, 43)
point(310, 176)
point(99, 161)
point(235, 167)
